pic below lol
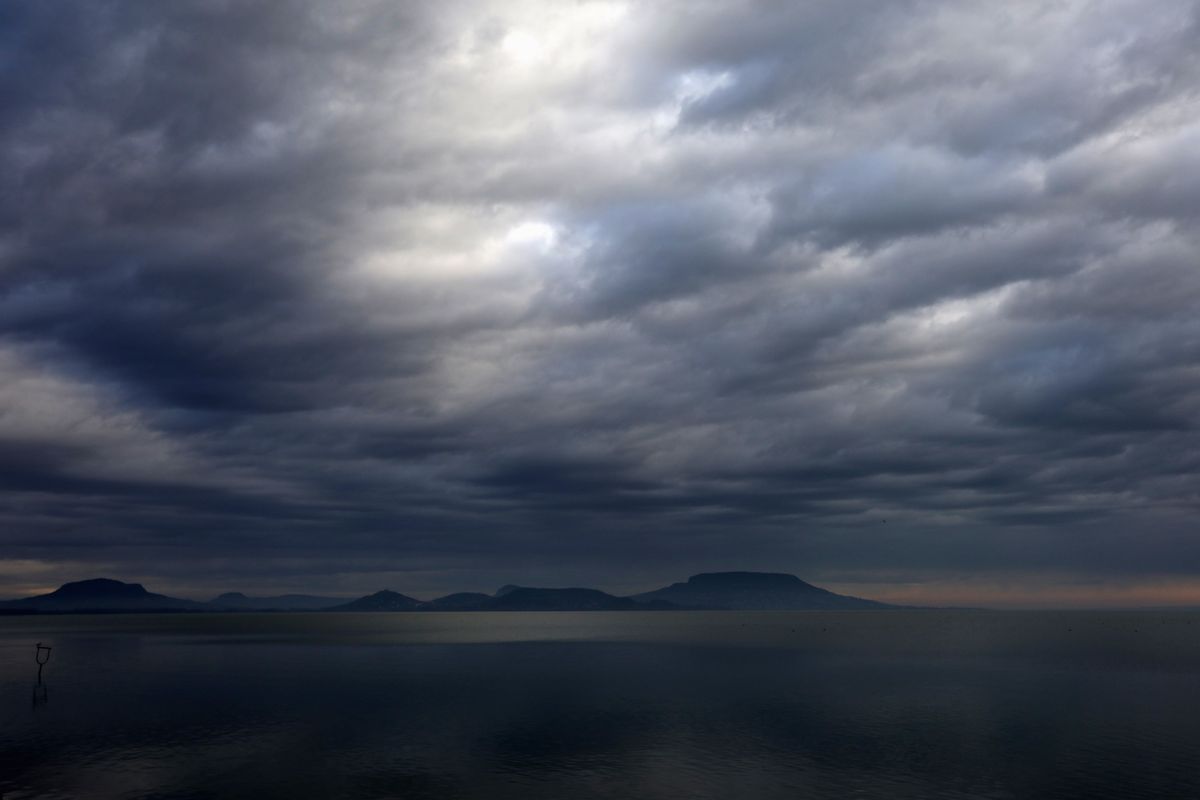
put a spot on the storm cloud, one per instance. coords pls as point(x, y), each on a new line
point(438, 296)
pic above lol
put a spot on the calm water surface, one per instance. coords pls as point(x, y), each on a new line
point(650, 705)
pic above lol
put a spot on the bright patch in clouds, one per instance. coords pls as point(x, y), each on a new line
point(540, 236)
point(523, 47)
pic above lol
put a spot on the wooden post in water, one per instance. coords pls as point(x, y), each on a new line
point(42, 656)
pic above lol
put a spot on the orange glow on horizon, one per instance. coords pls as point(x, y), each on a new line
point(1033, 594)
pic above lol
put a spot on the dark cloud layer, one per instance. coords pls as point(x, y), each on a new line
point(433, 296)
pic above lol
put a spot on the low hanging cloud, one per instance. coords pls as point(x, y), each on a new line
point(435, 296)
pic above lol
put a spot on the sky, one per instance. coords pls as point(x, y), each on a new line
point(899, 297)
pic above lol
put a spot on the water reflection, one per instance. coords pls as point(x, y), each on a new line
point(40, 696)
point(854, 706)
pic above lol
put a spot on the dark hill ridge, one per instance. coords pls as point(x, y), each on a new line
point(236, 601)
point(101, 595)
point(459, 601)
point(99, 587)
point(522, 598)
point(380, 601)
point(742, 591)
point(755, 591)
point(526, 598)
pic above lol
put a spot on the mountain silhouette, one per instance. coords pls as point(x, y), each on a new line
point(385, 600)
point(101, 595)
point(755, 591)
point(740, 591)
point(236, 601)
point(459, 601)
point(523, 598)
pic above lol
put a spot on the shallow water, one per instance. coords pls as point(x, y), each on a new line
point(649, 705)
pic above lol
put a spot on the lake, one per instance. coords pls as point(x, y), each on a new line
point(897, 704)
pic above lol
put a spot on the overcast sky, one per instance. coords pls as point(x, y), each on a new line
point(900, 297)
